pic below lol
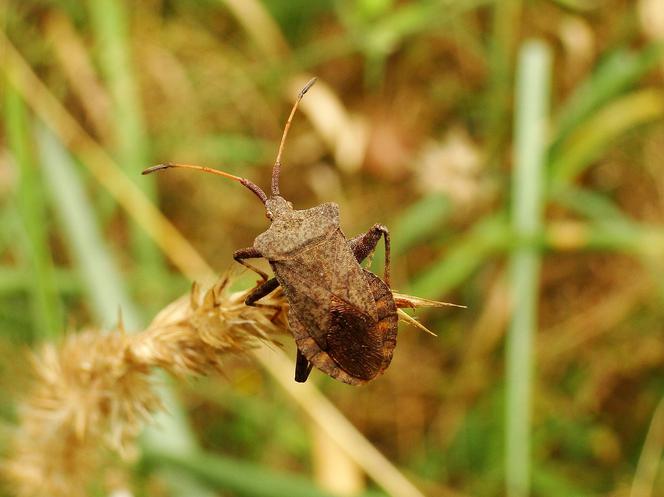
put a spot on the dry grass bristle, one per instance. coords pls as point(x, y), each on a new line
point(94, 391)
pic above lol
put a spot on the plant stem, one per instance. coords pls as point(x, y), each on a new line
point(111, 25)
point(532, 95)
point(46, 308)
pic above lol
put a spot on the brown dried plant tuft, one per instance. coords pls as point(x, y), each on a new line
point(93, 392)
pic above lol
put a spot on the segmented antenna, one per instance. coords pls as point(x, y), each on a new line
point(251, 186)
point(276, 170)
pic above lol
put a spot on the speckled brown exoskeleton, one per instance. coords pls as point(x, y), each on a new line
point(343, 317)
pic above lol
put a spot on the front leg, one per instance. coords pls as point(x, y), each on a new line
point(261, 291)
point(249, 253)
point(365, 244)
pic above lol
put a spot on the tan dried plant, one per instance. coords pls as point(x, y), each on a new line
point(94, 392)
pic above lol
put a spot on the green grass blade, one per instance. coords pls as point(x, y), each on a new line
point(617, 73)
point(98, 271)
point(75, 214)
point(532, 96)
point(46, 306)
point(14, 280)
point(111, 28)
point(588, 141)
point(589, 203)
point(506, 27)
point(240, 478)
point(487, 237)
point(419, 221)
point(622, 236)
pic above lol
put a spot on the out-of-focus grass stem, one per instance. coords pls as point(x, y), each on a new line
point(616, 73)
point(645, 477)
point(13, 280)
point(46, 309)
point(532, 96)
point(80, 228)
point(600, 131)
point(506, 23)
point(110, 23)
point(101, 166)
point(463, 257)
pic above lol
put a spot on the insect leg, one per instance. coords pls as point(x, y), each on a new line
point(302, 367)
point(261, 291)
point(249, 253)
point(365, 244)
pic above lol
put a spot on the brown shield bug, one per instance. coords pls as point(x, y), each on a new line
point(343, 317)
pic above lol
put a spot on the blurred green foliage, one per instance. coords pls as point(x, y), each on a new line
point(430, 87)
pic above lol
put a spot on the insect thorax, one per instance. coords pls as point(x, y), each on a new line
point(296, 229)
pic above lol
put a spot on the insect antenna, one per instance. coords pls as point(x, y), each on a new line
point(277, 163)
point(251, 186)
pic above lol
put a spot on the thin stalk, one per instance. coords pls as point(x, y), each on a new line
point(506, 24)
point(14, 280)
point(76, 217)
point(331, 421)
point(70, 132)
point(240, 478)
point(111, 26)
point(600, 132)
point(44, 298)
point(645, 477)
point(532, 96)
point(463, 257)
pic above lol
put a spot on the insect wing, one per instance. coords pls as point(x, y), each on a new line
point(353, 340)
point(385, 329)
point(314, 276)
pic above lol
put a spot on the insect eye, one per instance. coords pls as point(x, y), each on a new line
point(268, 214)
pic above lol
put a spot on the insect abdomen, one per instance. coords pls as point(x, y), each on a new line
point(343, 355)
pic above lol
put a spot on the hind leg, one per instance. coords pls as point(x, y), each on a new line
point(365, 244)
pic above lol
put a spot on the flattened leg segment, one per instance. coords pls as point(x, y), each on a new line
point(249, 253)
point(261, 291)
point(365, 244)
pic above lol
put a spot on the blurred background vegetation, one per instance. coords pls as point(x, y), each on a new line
point(514, 149)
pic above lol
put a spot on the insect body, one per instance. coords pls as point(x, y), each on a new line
point(343, 317)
